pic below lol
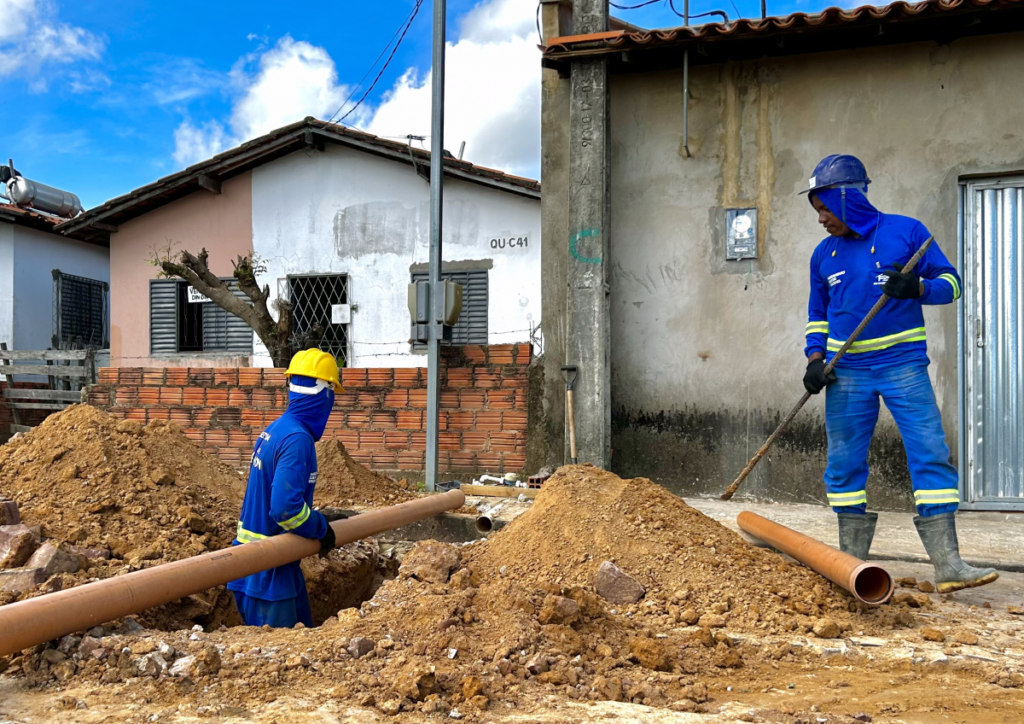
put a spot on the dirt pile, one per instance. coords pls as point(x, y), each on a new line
point(342, 482)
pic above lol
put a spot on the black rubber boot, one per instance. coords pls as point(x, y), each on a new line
point(856, 531)
point(938, 533)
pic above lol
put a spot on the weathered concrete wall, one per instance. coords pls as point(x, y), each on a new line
point(222, 223)
point(703, 367)
point(348, 212)
point(7, 284)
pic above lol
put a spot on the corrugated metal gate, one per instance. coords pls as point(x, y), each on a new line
point(992, 338)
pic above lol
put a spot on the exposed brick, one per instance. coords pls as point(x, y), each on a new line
point(380, 377)
point(501, 354)
point(449, 399)
point(418, 398)
point(136, 413)
point(232, 456)
point(348, 438)
point(225, 376)
point(216, 397)
point(181, 415)
point(216, 436)
point(409, 420)
point(358, 419)
point(254, 418)
point(384, 461)
point(177, 376)
point(239, 438)
point(250, 376)
point(475, 441)
point(353, 377)
point(194, 396)
point(514, 421)
point(126, 395)
point(361, 456)
point(170, 395)
point(483, 379)
point(202, 416)
point(99, 396)
point(486, 421)
point(154, 376)
point(514, 463)
point(194, 433)
point(397, 398)
point(407, 377)
point(345, 400)
point(396, 440)
point(262, 398)
point(460, 420)
point(119, 413)
point(462, 462)
point(501, 399)
point(130, 376)
point(488, 461)
point(521, 400)
point(474, 354)
point(149, 395)
point(158, 413)
point(240, 397)
point(503, 442)
point(460, 377)
point(410, 460)
point(383, 420)
point(281, 398)
point(472, 400)
point(274, 378)
point(442, 462)
point(108, 375)
point(369, 400)
point(524, 354)
point(418, 441)
point(200, 376)
point(336, 420)
point(449, 441)
point(514, 380)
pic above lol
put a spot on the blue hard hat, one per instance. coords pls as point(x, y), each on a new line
point(838, 170)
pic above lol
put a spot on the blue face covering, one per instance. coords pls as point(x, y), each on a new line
point(855, 210)
point(311, 410)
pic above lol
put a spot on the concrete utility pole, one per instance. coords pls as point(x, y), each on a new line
point(588, 305)
point(435, 296)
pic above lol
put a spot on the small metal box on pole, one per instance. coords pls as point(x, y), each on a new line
point(449, 303)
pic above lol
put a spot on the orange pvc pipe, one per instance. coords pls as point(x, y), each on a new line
point(48, 617)
point(868, 582)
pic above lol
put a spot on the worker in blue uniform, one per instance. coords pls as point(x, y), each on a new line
point(279, 495)
point(861, 259)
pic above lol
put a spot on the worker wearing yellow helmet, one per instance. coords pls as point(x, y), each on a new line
point(279, 494)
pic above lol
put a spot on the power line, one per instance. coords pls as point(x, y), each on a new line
point(634, 7)
point(394, 50)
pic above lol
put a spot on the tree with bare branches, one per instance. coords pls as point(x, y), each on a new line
point(279, 335)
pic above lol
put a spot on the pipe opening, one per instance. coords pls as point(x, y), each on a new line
point(872, 584)
point(484, 524)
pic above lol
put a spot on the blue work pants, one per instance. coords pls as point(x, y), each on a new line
point(277, 614)
point(851, 412)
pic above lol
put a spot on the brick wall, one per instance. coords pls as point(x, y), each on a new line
point(380, 418)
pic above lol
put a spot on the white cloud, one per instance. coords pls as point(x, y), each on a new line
point(292, 80)
point(30, 39)
point(492, 98)
point(492, 91)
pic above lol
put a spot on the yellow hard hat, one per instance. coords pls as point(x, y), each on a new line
point(317, 364)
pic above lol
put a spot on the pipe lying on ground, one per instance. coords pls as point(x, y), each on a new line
point(485, 521)
point(868, 582)
point(48, 617)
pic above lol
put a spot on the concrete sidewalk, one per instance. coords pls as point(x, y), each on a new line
point(986, 539)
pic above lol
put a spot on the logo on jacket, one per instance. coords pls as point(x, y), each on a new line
point(881, 279)
point(834, 279)
point(312, 478)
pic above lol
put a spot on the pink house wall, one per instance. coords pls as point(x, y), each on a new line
point(222, 223)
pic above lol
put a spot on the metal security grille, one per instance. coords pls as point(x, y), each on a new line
point(314, 300)
point(993, 345)
point(471, 328)
point(80, 312)
point(177, 325)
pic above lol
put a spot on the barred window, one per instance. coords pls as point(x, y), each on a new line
point(320, 301)
point(80, 312)
point(471, 327)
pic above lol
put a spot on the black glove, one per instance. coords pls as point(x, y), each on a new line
point(328, 543)
point(815, 379)
point(333, 514)
point(902, 286)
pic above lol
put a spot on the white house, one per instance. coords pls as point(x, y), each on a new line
point(340, 218)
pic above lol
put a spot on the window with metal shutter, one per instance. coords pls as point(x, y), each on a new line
point(471, 327)
point(163, 316)
point(224, 332)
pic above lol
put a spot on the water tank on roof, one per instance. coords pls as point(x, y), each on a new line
point(32, 194)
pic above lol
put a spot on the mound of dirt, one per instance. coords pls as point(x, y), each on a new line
point(342, 482)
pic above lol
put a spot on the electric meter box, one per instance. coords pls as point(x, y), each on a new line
point(449, 304)
point(740, 234)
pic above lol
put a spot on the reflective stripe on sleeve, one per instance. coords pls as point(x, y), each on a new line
point(931, 497)
point(857, 497)
point(878, 343)
point(247, 536)
point(296, 520)
point(952, 282)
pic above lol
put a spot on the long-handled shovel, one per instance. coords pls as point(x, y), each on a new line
point(569, 374)
point(731, 490)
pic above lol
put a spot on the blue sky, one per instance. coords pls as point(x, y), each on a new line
point(103, 96)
